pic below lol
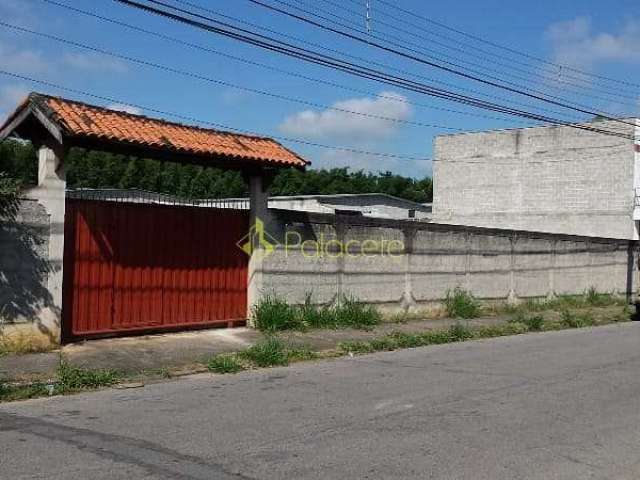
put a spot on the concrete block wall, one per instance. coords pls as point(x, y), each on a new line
point(550, 179)
point(493, 264)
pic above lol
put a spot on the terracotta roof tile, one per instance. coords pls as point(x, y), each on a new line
point(77, 119)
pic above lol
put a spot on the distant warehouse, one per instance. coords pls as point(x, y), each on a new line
point(378, 205)
point(554, 179)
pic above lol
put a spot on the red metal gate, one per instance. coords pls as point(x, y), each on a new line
point(132, 267)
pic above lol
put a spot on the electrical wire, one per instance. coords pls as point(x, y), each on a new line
point(368, 60)
point(227, 84)
point(550, 78)
point(270, 67)
point(491, 82)
point(270, 44)
point(189, 118)
point(503, 47)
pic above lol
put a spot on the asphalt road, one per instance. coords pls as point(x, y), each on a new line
point(562, 405)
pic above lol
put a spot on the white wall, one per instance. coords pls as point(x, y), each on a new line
point(548, 179)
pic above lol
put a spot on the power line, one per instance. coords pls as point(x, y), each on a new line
point(112, 100)
point(468, 46)
point(119, 101)
point(546, 77)
point(505, 48)
point(368, 61)
point(270, 67)
point(224, 83)
point(271, 44)
point(492, 82)
point(402, 44)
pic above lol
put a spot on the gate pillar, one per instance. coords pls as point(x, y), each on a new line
point(50, 193)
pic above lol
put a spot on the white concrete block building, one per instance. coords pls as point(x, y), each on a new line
point(553, 179)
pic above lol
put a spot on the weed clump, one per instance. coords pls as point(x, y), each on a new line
point(461, 304)
point(225, 364)
point(71, 378)
point(576, 320)
point(269, 352)
point(274, 314)
point(535, 323)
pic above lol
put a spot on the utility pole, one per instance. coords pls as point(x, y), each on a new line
point(368, 15)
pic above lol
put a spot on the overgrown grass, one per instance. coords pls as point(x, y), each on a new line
point(9, 393)
point(267, 353)
point(274, 314)
point(591, 298)
point(535, 323)
point(461, 304)
point(461, 333)
point(270, 352)
point(225, 363)
point(72, 378)
point(570, 319)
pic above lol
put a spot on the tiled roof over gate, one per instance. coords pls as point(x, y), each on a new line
point(80, 120)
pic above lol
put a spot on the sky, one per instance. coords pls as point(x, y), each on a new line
point(592, 36)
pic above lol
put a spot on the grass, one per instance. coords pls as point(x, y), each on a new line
point(591, 298)
point(461, 304)
point(10, 393)
point(270, 352)
point(267, 353)
point(225, 364)
point(570, 319)
point(535, 323)
point(574, 312)
point(72, 379)
point(462, 333)
point(273, 314)
point(455, 333)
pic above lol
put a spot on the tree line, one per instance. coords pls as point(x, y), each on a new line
point(94, 169)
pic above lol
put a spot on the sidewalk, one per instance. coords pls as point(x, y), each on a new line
point(185, 352)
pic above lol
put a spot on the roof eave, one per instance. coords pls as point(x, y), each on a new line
point(26, 109)
point(181, 156)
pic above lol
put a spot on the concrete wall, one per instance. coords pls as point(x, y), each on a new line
point(24, 275)
point(549, 179)
point(31, 262)
point(492, 264)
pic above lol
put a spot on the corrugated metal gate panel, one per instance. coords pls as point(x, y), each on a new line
point(146, 267)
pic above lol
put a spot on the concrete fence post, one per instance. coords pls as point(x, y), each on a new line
point(259, 218)
point(512, 297)
point(408, 300)
point(50, 193)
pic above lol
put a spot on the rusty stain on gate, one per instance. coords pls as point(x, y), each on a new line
point(137, 267)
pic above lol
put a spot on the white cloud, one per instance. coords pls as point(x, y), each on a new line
point(120, 107)
point(575, 44)
point(343, 125)
point(22, 60)
point(94, 62)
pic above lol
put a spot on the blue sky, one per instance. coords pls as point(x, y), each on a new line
point(593, 36)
